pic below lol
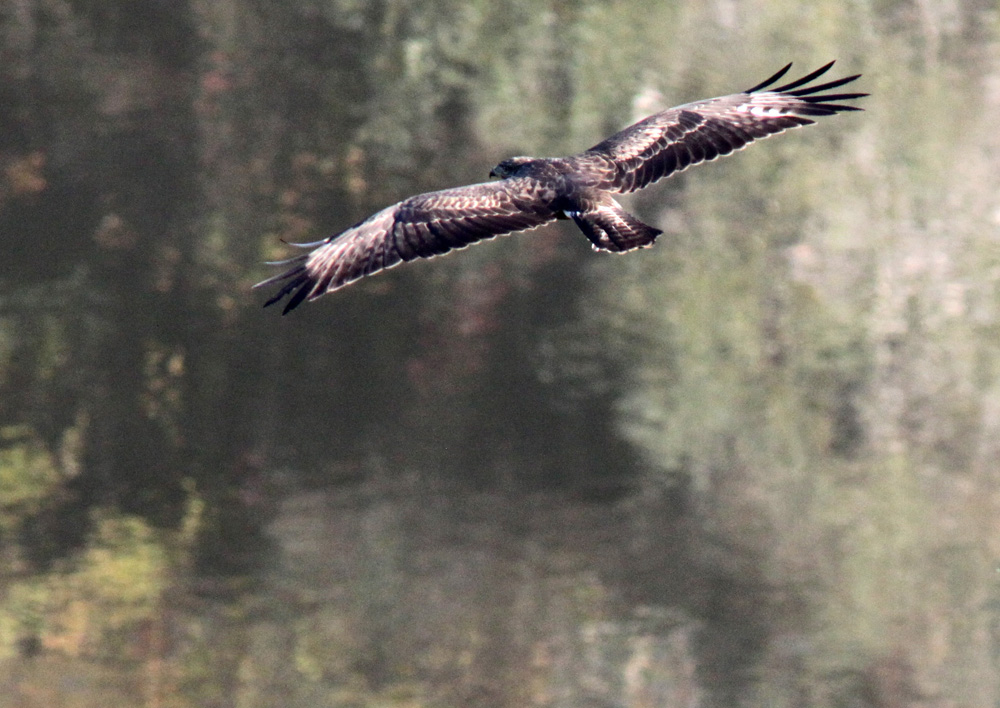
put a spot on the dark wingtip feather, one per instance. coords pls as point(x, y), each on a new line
point(818, 105)
point(288, 287)
point(299, 282)
point(771, 80)
point(298, 297)
point(833, 97)
point(805, 79)
point(836, 107)
point(821, 87)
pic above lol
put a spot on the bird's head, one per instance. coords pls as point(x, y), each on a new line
point(510, 166)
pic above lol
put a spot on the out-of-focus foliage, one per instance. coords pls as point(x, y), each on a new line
point(754, 465)
point(27, 476)
point(109, 588)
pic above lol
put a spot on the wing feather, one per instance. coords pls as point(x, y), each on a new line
point(675, 139)
point(419, 227)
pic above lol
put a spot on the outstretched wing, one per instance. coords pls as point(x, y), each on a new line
point(677, 138)
point(419, 227)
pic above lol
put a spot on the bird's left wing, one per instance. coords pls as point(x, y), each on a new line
point(677, 138)
point(422, 226)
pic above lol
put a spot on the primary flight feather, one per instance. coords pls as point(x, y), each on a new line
point(534, 191)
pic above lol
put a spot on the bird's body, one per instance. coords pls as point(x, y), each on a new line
point(531, 191)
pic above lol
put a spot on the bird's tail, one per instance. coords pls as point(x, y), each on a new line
point(611, 228)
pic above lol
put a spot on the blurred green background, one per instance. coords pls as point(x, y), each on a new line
point(756, 465)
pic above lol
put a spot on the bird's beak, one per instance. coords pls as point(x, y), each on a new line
point(493, 173)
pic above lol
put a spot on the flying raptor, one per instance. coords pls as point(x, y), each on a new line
point(532, 191)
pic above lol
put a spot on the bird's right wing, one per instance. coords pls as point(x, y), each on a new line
point(675, 139)
point(419, 227)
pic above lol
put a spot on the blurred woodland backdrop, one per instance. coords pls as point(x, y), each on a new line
point(757, 465)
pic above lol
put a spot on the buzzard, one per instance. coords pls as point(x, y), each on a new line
point(532, 191)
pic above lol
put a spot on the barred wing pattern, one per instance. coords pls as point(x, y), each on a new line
point(675, 139)
point(422, 226)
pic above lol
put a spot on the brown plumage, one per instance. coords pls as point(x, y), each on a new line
point(534, 191)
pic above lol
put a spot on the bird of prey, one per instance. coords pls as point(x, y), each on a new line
point(533, 191)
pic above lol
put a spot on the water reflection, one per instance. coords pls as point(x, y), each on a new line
point(752, 466)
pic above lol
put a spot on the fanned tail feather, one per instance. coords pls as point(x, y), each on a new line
point(614, 229)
